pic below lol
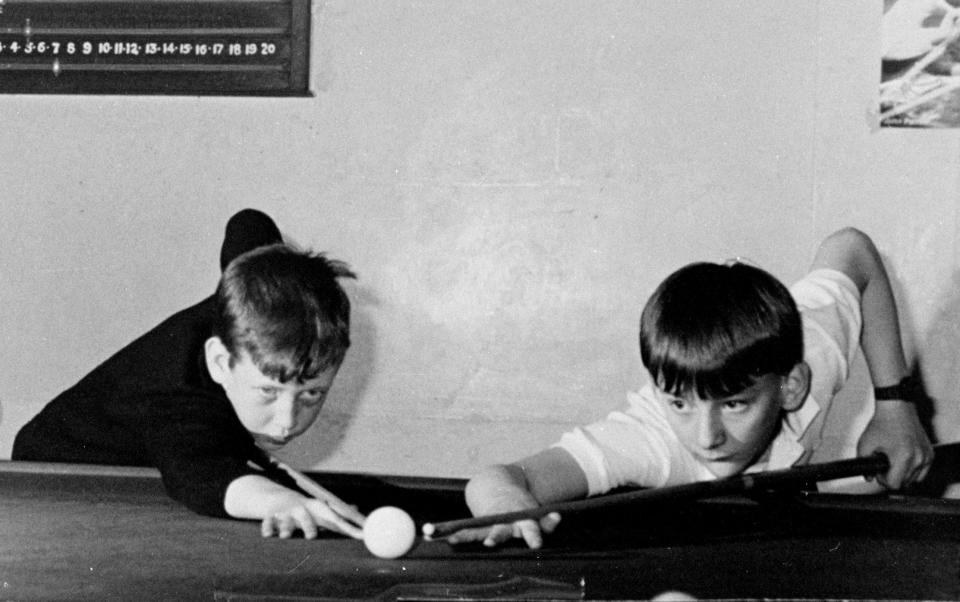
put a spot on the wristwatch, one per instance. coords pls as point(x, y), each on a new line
point(909, 389)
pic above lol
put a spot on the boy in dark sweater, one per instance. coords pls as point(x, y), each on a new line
point(206, 395)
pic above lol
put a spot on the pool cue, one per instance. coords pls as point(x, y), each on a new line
point(314, 489)
point(870, 465)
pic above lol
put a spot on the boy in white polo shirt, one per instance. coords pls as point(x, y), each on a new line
point(742, 374)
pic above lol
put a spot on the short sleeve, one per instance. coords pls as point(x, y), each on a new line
point(829, 303)
point(633, 447)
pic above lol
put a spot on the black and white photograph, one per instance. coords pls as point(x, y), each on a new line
point(459, 300)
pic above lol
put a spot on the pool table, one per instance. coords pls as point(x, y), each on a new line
point(83, 532)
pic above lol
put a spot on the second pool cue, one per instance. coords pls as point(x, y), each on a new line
point(866, 466)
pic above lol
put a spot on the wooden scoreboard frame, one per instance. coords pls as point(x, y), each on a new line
point(163, 47)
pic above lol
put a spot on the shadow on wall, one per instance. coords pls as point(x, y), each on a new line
point(940, 366)
point(926, 405)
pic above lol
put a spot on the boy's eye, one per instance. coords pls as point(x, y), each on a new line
point(734, 404)
point(312, 397)
point(267, 392)
point(678, 404)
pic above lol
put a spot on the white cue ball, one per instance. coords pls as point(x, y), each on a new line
point(389, 532)
point(673, 596)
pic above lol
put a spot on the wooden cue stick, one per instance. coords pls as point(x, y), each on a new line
point(305, 482)
point(314, 489)
point(870, 465)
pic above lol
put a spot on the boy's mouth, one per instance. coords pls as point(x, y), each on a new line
point(717, 460)
point(271, 441)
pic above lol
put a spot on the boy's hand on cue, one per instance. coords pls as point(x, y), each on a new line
point(896, 431)
point(308, 515)
point(500, 497)
point(502, 489)
point(531, 531)
point(342, 510)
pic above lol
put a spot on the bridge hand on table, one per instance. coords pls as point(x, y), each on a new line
point(531, 531)
point(309, 516)
point(498, 497)
point(502, 489)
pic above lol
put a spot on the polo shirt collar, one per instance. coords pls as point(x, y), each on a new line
point(786, 448)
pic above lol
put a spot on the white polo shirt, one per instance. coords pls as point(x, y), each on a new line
point(637, 447)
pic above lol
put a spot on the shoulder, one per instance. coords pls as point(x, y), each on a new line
point(824, 287)
point(182, 333)
point(164, 359)
point(829, 304)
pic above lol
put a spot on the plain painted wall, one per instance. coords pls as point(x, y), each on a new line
point(510, 180)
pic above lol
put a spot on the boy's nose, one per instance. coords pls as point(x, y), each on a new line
point(709, 430)
point(285, 415)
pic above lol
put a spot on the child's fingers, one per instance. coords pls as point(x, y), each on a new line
point(905, 468)
point(468, 536)
point(266, 526)
point(549, 522)
point(917, 469)
point(279, 524)
point(489, 536)
point(529, 530)
point(309, 520)
point(305, 521)
point(284, 524)
point(499, 534)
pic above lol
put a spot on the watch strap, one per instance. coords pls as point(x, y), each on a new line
point(908, 389)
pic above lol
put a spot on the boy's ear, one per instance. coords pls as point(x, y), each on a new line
point(218, 359)
point(795, 387)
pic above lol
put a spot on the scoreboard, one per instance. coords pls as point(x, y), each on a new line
point(184, 47)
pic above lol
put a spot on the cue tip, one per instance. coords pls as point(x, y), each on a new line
point(428, 529)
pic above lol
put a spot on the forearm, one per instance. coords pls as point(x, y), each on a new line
point(551, 475)
point(895, 428)
point(495, 483)
point(257, 497)
point(880, 339)
point(545, 477)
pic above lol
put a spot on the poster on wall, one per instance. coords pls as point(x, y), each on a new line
point(920, 64)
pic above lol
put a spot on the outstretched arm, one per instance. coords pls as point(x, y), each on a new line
point(283, 511)
point(549, 476)
point(895, 428)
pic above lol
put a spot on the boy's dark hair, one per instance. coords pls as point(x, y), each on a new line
point(715, 329)
point(286, 309)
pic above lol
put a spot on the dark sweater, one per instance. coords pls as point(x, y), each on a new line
point(153, 403)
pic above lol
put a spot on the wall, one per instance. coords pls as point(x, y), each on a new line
point(509, 179)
